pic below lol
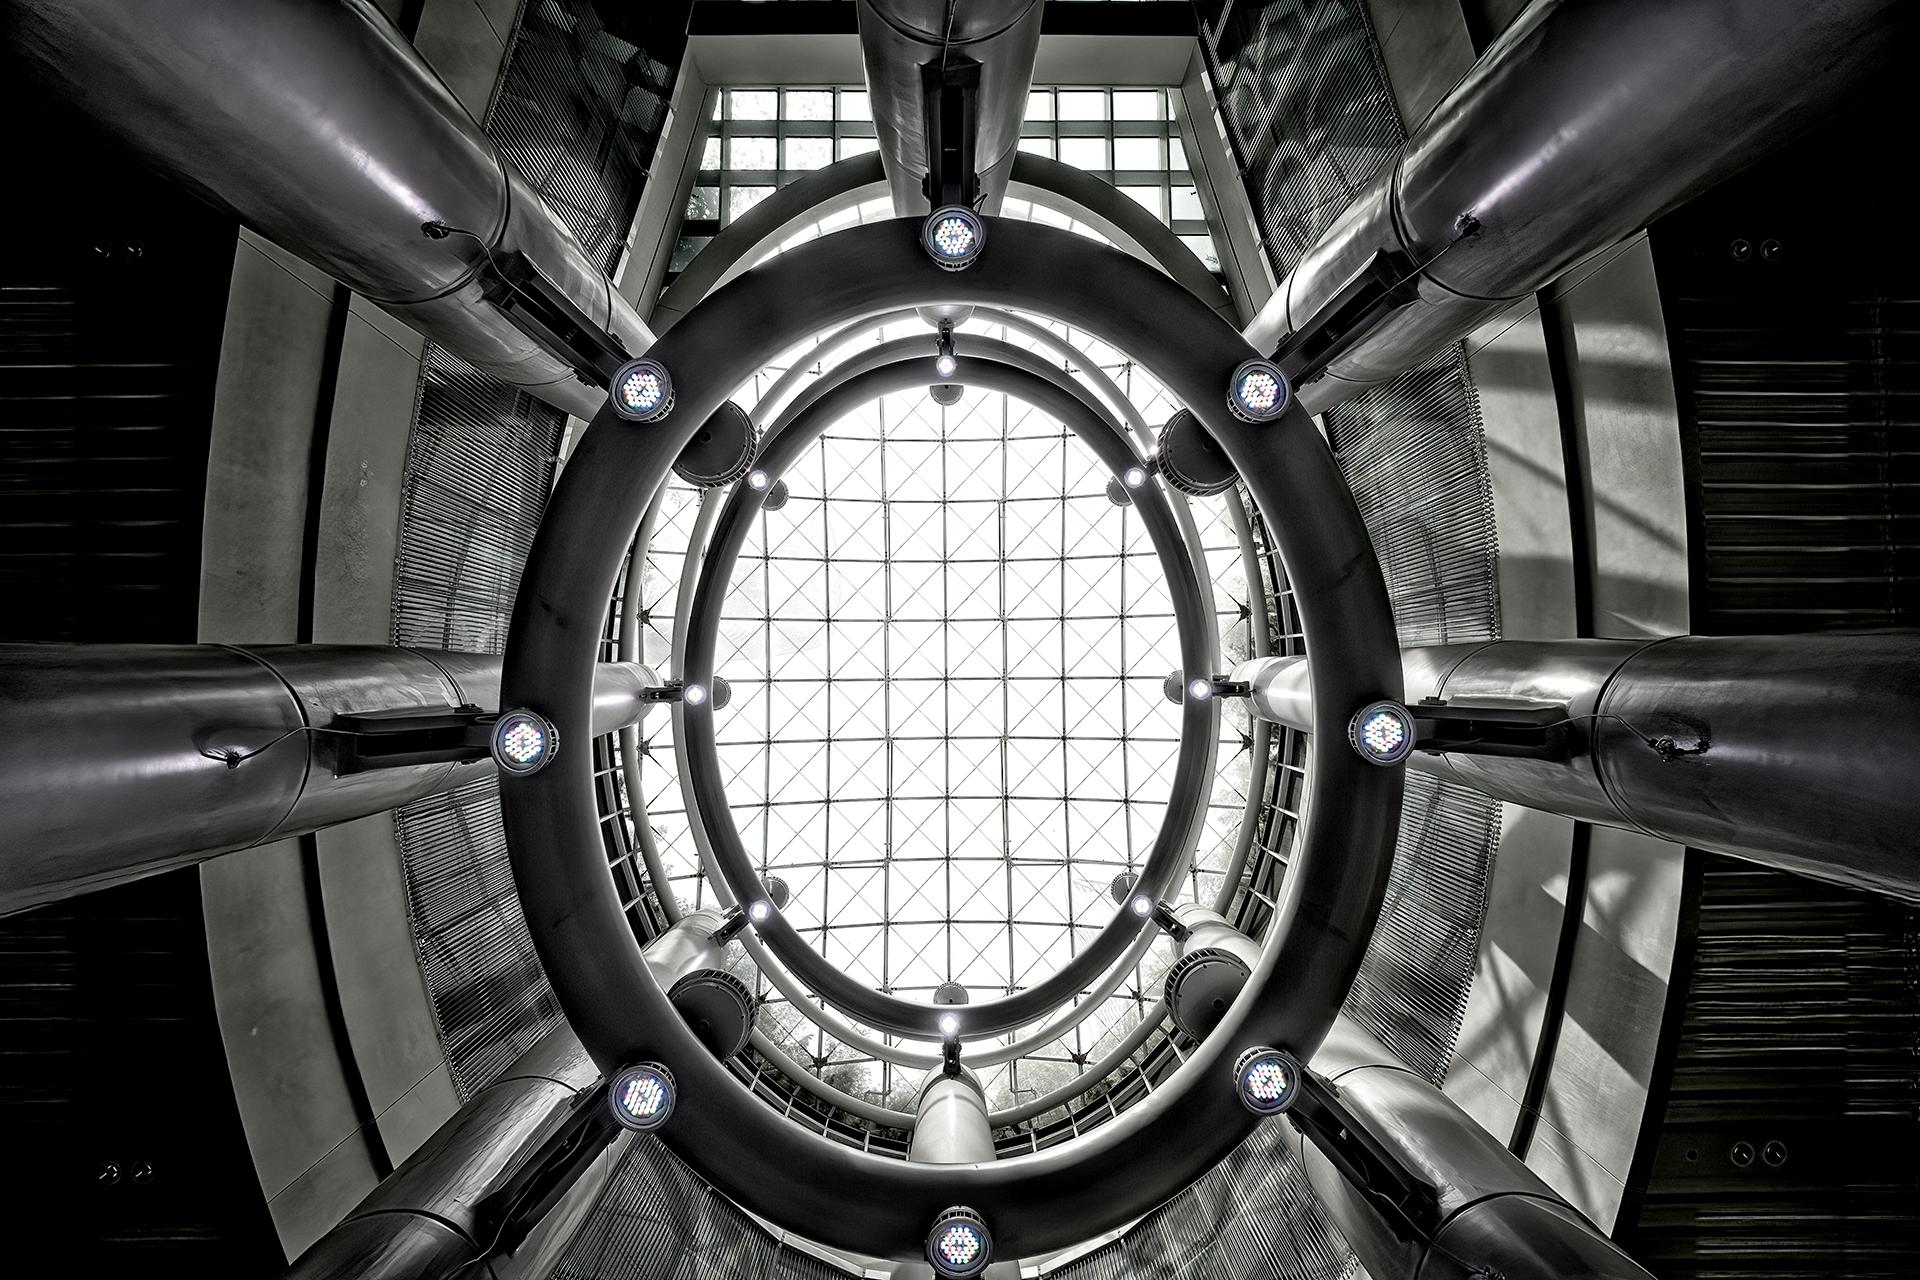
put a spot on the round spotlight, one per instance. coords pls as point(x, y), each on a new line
point(946, 365)
point(1191, 460)
point(1268, 1080)
point(1134, 477)
point(694, 694)
point(1199, 690)
point(959, 1245)
point(954, 236)
point(1258, 392)
point(642, 1096)
point(949, 1024)
point(523, 742)
point(1142, 905)
point(721, 451)
point(760, 911)
point(758, 480)
point(642, 391)
point(1382, 732)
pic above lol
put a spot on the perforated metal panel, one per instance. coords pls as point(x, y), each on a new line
point(1307, 110)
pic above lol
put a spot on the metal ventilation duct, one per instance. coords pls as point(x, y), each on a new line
point(320, 127)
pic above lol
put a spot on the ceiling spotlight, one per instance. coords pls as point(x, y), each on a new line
point(1134, 477)
point(949, 1024)
point(760, 911)
point(959, 1245)
point(694, 694)
point(945, 362)
point(642, 391)
point(522, 742)
point(1268, 1080)
point(1142, 905)
point(1258, 392)
point(758, 480)
point(1199, 689)
point(953, 236)
point(1382, 732)
point(642, 1096)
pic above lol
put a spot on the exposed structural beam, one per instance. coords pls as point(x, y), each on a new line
point(1584, 122)
point(1795, 752)
point(319, 126)
point(1476, 1209)
point(949, 84)
point(182, 752)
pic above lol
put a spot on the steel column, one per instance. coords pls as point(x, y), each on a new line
point(951, 1125)
point(1810, 742)
point(140, 732)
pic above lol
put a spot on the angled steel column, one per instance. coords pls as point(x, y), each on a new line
point(128, 773)
point(437, 1215)
point(1584, 122)
point(1495, 1217)
point(319, 126)
point(691, 967)
point(1795, 752)
point(1215, 961)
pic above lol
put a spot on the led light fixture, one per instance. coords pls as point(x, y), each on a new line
point(642, 391)
point(758, 480)
point(522, 742)
point(945, 362)
point(1142, 905)
point(1133, 477)
point(1382, 732)
point(954, 236)
point(1268, 1080)
point(949, 1024)
point(642, 1096)
point(959, 1245)
point(1199, 689)
point(693, 694)
point(760, 911)
point(1258, 392)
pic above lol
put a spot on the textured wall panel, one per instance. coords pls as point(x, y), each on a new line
point(1307, 108)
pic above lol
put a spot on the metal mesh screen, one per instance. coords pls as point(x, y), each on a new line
point(656, 1219)
point(1307, 108)
point(1412, 987)
point(490, 995)
point(579, 113)
point(1252, 1215)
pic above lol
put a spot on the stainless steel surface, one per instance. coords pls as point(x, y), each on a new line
point(1810, 741)
point(1477, 1181)
point(1586, 120)
point(1337, 874)
point(951, 1127)
point(423, 1220)
point(1215, 961)
point(322, 128)
point(898, 37)
point(130, 724)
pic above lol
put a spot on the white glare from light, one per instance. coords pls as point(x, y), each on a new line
point(758, 480)
point(949, 1024)
point(1142, 905)
point(946, 366)
point(1134, 477)
point(759, 911)
point(1199, 690)
point(694, 694)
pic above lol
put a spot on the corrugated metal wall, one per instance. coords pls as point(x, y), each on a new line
point(1795, 327)
point(579, 111)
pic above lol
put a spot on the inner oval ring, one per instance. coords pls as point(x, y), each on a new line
point(1063, 1194)
point(997, 366)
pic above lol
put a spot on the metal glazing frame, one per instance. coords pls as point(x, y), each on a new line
point(1338, 869)
point(994, 366)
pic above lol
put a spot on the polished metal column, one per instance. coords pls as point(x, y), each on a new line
point(952, 1126)
point(1495, 1217)
point(1795, 752)
point(437, 1215)
point(128, 772)
point(691, 966)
